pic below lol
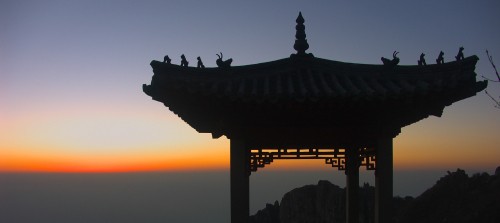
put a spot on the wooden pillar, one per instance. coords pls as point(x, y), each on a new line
point(352, 185)
point(383, 181)
point(240, 189)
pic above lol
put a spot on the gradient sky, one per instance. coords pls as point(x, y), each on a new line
point(71, 75)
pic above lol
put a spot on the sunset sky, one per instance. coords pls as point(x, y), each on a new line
point(71, 75)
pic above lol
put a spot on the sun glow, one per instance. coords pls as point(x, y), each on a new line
point(106, 143)
point(120, 163)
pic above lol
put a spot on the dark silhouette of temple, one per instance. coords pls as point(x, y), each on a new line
point(303, 107)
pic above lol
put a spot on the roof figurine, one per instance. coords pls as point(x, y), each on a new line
point(200, 63)
point(421, 61)
point(460, 54)
point(166, 59)
point(440, 59)
point(184, 62)
point(221, 63)
point(393, 62)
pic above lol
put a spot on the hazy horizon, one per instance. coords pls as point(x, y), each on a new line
point(163, 196)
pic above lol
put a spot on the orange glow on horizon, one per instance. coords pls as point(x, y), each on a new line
point(193, 160)
point(37, 164)
point(35, 148)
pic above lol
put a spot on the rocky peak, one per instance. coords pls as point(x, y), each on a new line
point(455, 197)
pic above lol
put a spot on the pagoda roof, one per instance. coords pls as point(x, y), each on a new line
point(304, 101)
point(315, 80)
point(335, 94)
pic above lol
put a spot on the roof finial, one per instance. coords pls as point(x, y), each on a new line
point(301, 44)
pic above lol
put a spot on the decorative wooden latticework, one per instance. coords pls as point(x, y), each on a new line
point(335, 157)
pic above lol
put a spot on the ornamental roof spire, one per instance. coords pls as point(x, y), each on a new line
point(301, 44)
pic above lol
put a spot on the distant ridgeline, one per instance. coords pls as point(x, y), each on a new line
point(455, 198)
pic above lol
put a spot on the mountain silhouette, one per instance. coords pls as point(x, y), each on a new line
point(455, 197)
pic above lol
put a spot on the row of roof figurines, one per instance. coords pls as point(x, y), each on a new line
point(387, 62)
point(184, 62)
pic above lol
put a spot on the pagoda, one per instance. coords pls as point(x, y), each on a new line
point(304, 107)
